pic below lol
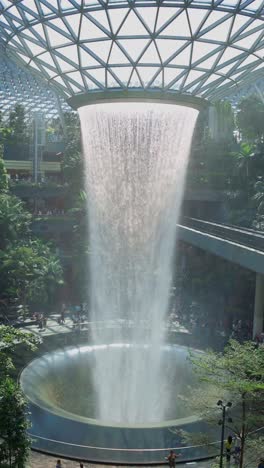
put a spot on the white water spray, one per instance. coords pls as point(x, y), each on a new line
point(135, 163)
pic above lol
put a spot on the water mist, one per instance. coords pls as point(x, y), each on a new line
point(136, 156)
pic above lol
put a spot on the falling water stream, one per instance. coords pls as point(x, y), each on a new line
point(136, 156)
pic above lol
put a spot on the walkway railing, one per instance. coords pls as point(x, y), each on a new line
point(239, 235)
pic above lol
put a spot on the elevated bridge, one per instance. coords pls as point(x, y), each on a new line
point(236, 244)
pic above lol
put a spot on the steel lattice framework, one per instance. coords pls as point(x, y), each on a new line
point(19, 86)
point(197, 47)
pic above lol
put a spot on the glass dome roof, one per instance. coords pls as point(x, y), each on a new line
point(198, 47)
point(19, 86)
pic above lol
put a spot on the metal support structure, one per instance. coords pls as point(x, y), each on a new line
point(222, 422)
point(194, 48)
point(258, 321)
point(39, 138)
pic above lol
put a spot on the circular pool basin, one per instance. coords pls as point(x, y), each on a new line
point(65, 418)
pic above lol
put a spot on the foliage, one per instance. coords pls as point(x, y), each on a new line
point(250, 118)
point(15, 447)
point(29, 273)
point(244, 156)
point(15, 443)
point(14, 220)
point(237, 375)
point(17, 125)
point(3, 172)
point(10, 339)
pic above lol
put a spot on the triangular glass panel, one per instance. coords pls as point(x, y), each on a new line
point(4, 20)
point(117, 56)
point(17, 14)
point(170, 74)
point(64, 66)
point(77, 77)
point(117, 16)
point(59, 24)
point(23, 57)
point(193, 76)
point(214, 16)
point(75, 89)
point(100, 48)
point(28, 34)
point(45, 9)
point(102, 18)
point(70, 52)
point(255, 5)
point(229, 54)
point(165, 14)
point(34, 48)
point(47, 58)
point(98, 74)
point(212, 78)
point(248, 61)
point(134, 80)
point(261, 65)
point(151, 55)
point(73, 23)
point(147, 73)
point(29, 17)
point(259, 52)
point(89, 30)
point(65, 4)
point(90, 84)
point(183, 58)
point(219, 33)
point(134, 47)
point(16, 24)
point(196, 18)
point(249, 40)
point(167, 48)
point(34, 65)
point(111, 81)
point(132, 26)
point(239, 22)
point(177, 85)
point(148, 16)
point(178, 27)
point(38, 28)
point(201, 50)
point(55, 38)
point(50, 72)
point(59, 80)
point(208, 63)
point(123, 73)
point(226, 69)
point(86, 59)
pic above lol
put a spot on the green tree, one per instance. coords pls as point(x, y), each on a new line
point(14, 220)
point(15, 443)
point(29, 274)
point(244, 157)
point(237, 375)
point(250, 118)
point(18, 125)
point(3, 173)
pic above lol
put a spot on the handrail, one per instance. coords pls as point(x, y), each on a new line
point(240, 235)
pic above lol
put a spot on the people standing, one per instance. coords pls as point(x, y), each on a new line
point(58, 464)
point(172, 458)
point(228, 447)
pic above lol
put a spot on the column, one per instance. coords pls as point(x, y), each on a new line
point(259, 305)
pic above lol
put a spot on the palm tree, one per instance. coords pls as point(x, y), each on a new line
point(244, 157)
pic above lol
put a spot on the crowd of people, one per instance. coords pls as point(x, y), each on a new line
point(49, 212)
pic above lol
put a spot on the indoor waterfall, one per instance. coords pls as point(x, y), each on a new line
point(136, 156)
